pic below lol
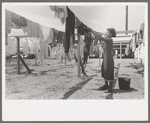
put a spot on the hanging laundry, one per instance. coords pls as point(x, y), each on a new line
point(37, 47)
point(134, 40)
point(42, 45)
point(7, 51)
point(60, 12)
point(53, 44)
point(6, 40)
point(24, 45)
point(45, 32)
point(60, 38)
point(70, 25)
point(88, 40)
point(55, 34)
point(81, 29)
point(31, 46)
point(12, 43)
point(77, 22)
point(18, 20)
point(8, 21)
point(32, 29)
point(142, 30)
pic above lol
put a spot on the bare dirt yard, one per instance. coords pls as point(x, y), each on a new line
point(52, 80)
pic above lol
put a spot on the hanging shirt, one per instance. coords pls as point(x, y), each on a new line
point(69, 30)
point(8, 21)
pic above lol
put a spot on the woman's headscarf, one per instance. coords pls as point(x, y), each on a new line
point(112, 31)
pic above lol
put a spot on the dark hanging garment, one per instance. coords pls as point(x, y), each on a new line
point(18, 20)
point(70, 25)
point(81, 29)
point(60, 38)
point(88, 40)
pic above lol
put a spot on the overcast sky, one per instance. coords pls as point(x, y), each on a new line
point(99, 17)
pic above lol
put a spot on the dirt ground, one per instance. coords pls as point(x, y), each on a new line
point(52, 80)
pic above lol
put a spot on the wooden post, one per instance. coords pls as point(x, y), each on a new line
point(18, 53)
point(120, 51)
point(29, 71)
point(78, 56)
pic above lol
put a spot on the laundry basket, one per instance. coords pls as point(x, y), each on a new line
point(124, 83)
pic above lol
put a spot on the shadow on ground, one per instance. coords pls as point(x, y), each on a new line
point(110, 95)
point(76, 87)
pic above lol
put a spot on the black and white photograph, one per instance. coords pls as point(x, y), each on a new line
point(74, 61)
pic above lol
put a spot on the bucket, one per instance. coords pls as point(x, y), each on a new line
point(124, 83)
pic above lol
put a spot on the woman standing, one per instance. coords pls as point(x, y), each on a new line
point(108, 61)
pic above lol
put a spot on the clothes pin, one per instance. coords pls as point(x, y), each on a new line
point(78, 56)
point(18, 53)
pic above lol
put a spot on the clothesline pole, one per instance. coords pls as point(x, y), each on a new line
point(78, 56)
point(18, 53)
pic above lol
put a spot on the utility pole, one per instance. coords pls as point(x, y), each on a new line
point(126, 18)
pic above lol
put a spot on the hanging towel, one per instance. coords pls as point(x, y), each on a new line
point(70, 25)
point(8, 21)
